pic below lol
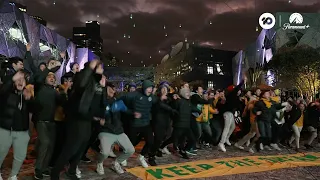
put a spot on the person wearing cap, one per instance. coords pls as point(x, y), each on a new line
point(47, 99)
point(140, 103)
point(132, 87)
point(112, 132)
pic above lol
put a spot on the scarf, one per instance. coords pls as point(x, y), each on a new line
point(266, 102)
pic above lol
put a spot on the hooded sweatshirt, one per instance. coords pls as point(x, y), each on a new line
point(138, 101)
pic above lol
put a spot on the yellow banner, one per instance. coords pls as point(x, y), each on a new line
point(228, 166)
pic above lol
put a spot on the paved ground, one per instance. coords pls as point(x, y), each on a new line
point(301, 173)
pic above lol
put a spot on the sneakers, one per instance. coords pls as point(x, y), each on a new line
point(100, 169)
point(268, 148)
point(142, 161)
point(124, 163)
point(72, 176)
point(238, 146)
point(38, 174)
point(191, 152)
point(276, 147)
point(184, 155)
point(1, 177)
point(152, 161)
point(112, 154)
point(85, 159)
point(228, 142)
point(221, 147)
point(11, 178)
point(78, 172)
point(261, 146)
point(46, 173)
point(251, 151)
point(165, 151)
point(117, 167)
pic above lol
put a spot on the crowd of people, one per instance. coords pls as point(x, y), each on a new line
point(86, 111)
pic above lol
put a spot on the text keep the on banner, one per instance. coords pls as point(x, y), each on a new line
point(228, 166)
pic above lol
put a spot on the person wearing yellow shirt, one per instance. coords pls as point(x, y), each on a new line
point(298, 117)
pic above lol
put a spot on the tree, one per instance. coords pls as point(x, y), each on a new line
point(254, 75)
point(298, 66)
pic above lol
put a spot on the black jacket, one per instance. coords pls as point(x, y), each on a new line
point(113, 123)
point(11, 116)
point(233, 102)
point(295, 114)
point(162, 112)
point(185, 109)
point(82, 94)
point(47, 99)
point(313, 116)
point(268, 114)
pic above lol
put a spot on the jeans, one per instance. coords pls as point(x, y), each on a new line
point(229, 126)
point(276, 132)
point(147, 134)
point(46, 140)
point(265, 132)
point(78, 135)
point(160, 132)
point(60, 141)
point(203, 127)
point(108, 139)
point(296, 135)
point(178, 137)
point(19, 141)
point(216, 128)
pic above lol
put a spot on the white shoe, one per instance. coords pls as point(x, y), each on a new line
point(261, 146)
point(238, 146)
point(165, 151)
point(248, 143)
point(251, 150)
point(268, 148)
point(222, 147)
point(117, 167)
point(100, 169)
point(228, 142)
point(13, 178)
point(143, 161)
point(78, 172)
point(112, 154)
point(124, 163)
point(275, 146)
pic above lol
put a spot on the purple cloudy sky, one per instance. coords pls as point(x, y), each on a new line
point(233, 22)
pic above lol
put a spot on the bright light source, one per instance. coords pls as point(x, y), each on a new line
point(17, 35)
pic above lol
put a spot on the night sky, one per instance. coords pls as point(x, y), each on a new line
point(222, 24)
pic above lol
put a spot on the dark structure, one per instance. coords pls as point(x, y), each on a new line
point(89, 37)
point(40, 20)
point(196, 65)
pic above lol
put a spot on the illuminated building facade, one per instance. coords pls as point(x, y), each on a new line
point(18, 29)
point(197, 65)
point(284, 34)
point(89, 37)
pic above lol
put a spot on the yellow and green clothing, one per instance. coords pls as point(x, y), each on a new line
point(206, 113)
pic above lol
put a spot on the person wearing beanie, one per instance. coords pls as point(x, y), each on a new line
point(181, 124)
point(112, 132)
point(140, 103)
point(132, 87)
point(161, 119)
point(47, 99)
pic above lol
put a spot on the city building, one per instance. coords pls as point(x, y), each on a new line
point(21, 7)
point(122, 76)
point(89, 37)
point(283, 34)
point(40, 20)
point(196, 64)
